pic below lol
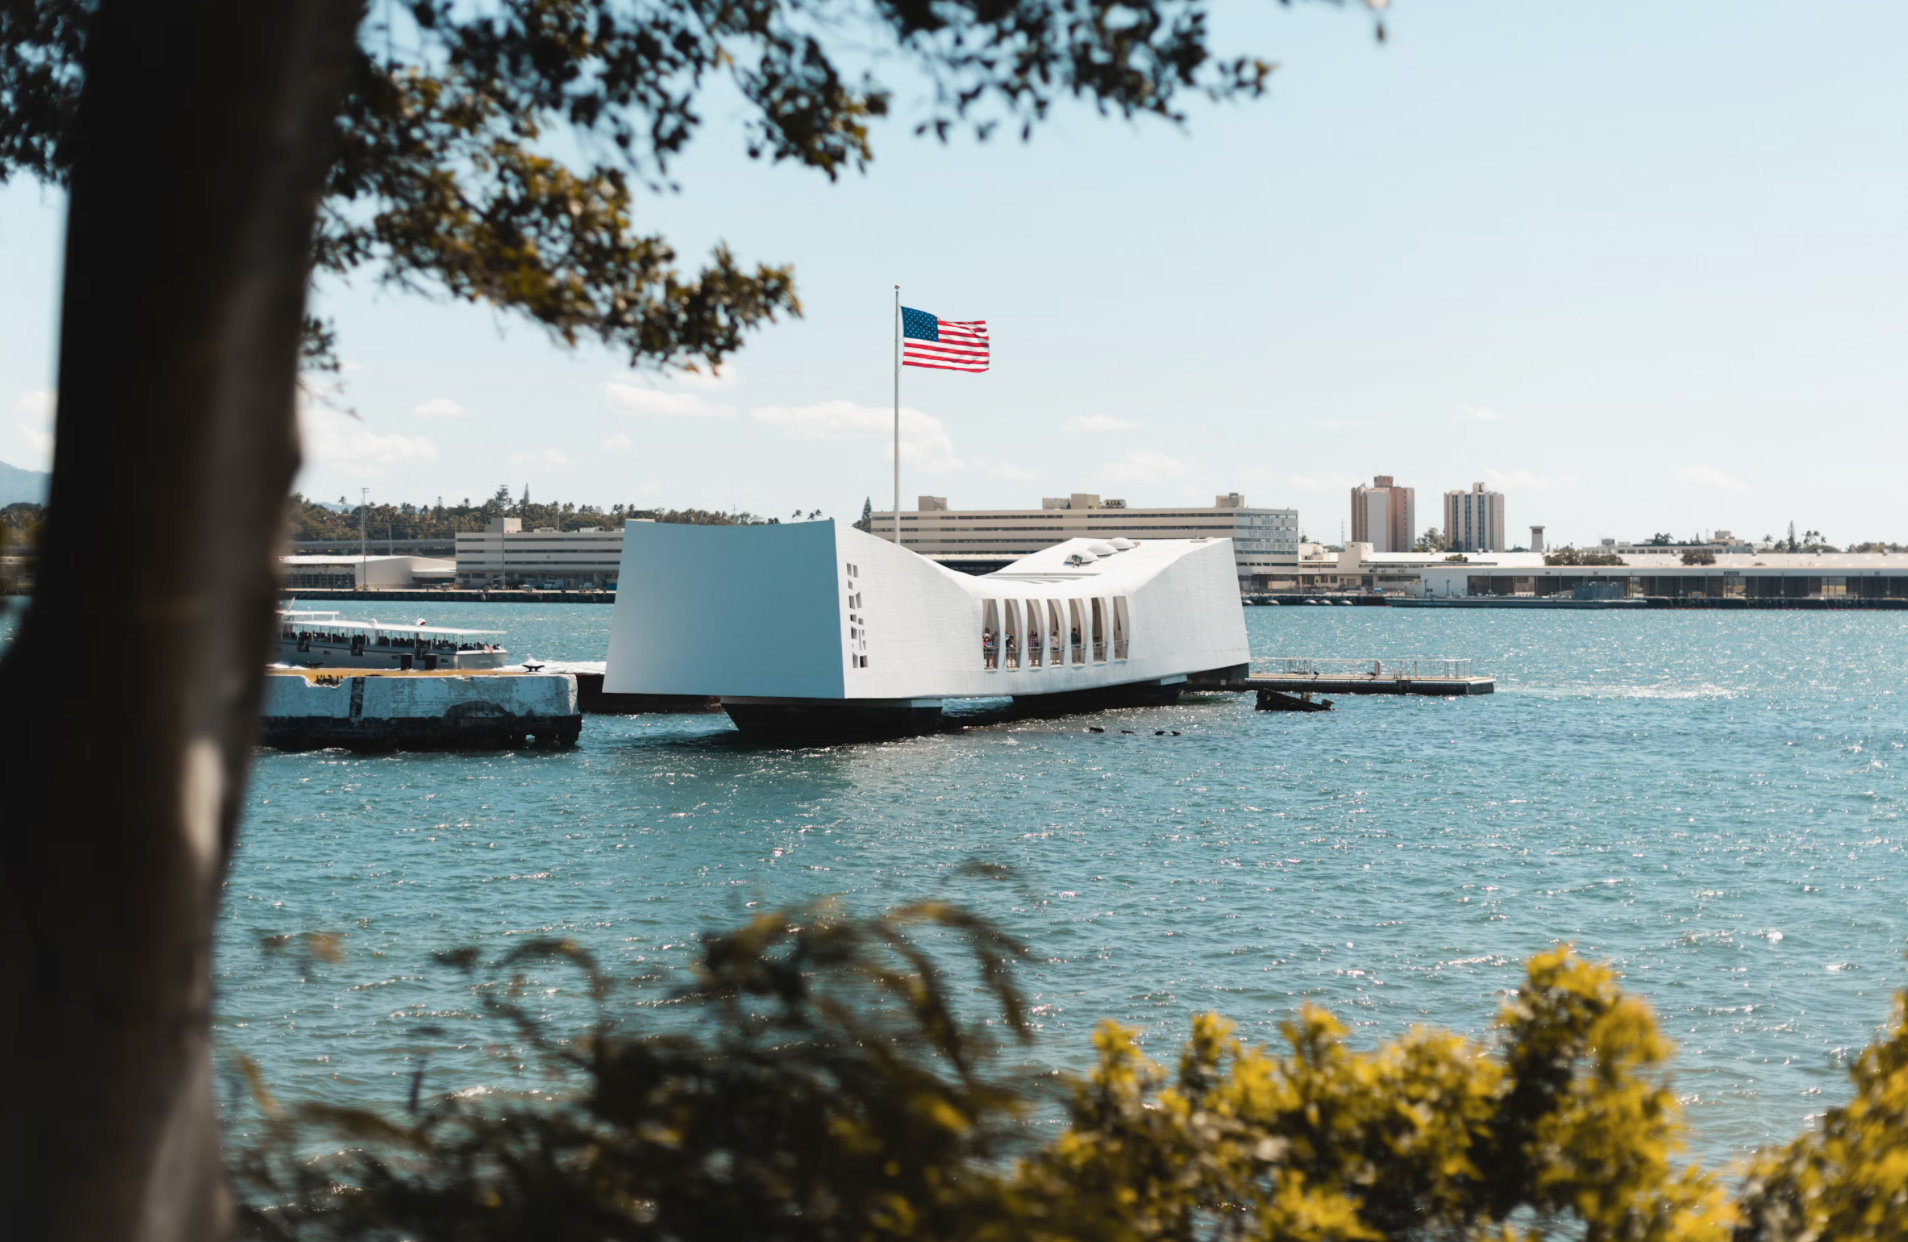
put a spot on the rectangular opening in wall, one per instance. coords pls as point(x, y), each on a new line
point(1010, 643)
point(1099, 629)
point(1119, 627)
point(1076, 634)
point(1036, 640)
point(1056, 633)
point(990, 633)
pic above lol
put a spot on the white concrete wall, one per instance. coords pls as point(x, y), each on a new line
point(397, 697)
point(728, 610)
point(429, 697)
point(291, 695)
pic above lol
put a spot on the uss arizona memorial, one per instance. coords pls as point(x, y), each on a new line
point(817, 627)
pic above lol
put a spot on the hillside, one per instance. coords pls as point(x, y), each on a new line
point(22, 486)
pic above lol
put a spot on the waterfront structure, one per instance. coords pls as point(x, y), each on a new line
point(1264, 541)
point(1536, 539)
point(307, 709)
point(1658, 573)
point(1474, 520)
point(369, 573)
point(503, 554)
point(816, 626)
point(1651, 571)
point(1384, 515)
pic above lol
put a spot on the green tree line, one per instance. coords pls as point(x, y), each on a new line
point(310, 519)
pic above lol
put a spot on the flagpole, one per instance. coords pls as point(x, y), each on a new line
point(897, 416)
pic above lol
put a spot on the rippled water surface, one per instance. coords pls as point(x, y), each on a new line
point(1711, 801)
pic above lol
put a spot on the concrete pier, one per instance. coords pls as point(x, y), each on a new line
point(1294, 683)
point(309, 709)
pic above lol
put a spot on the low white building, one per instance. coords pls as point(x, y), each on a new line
point(505, 554)
point(367, 573)
point(1654, 573)
point(1264, 541)
point(1648, 571)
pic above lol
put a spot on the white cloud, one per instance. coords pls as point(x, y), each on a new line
point(33, 419)
point(1709, 476)
point(925, 443)
point(618, 443)
point(1323, 483)
point(440, 407)
point(1478, 414)
point(1525, 481)
point(1100, 422)
point(1005, 470)
point(633, 398)
point(1343, 424)
point(345, 440)
point(1144, 465)
point(544, 457)
point(705, 381)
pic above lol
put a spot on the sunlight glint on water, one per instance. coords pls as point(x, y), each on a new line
point(1711, 801)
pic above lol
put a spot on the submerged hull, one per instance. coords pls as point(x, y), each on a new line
point(811, 628)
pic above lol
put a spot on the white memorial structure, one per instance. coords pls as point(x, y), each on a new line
point(814, 627)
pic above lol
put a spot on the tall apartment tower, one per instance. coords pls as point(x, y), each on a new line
point(1474, 520)
point(1384, 515)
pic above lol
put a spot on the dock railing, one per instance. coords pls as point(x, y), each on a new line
point(1413, 669)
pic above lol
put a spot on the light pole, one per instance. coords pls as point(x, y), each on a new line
point(364, 503)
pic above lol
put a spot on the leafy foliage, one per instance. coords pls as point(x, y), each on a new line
point(1572, 556)
point(492, 151)
point(819, 1080)
point(1848, 1181)
point(822, 1086)
point(1699, 556)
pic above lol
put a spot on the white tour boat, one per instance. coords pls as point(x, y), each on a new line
point(321, 640)
point(811, 627)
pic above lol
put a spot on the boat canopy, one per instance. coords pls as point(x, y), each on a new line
point(379, 627)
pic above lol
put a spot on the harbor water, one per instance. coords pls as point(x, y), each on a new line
point(1709, 801)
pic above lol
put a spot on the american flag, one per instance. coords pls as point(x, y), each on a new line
point(943, 344)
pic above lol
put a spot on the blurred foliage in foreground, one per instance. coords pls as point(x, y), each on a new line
point(820, 1080)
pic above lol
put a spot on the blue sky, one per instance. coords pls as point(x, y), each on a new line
point(1641, 266)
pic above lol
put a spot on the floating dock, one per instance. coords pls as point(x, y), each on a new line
point(462, 709)
point(1436, 678)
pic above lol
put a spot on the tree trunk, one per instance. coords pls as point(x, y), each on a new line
point(132, 691)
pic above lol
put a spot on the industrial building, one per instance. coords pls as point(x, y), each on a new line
point(1265, 541)
point(1764, 575)
point(1651, 573)
point(504, 554)
point(365, 573)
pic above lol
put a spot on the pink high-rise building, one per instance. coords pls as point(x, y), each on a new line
point(1384, 515)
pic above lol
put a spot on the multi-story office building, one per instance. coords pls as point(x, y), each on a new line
point(1264, 541)
point(1384, 515)
point(364, 573)
point(505, 554)
point(1474, 520)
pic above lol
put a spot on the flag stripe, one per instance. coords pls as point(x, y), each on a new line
point(955, 344)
